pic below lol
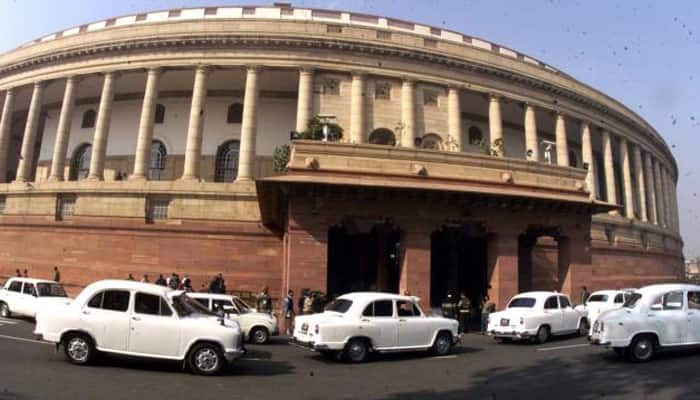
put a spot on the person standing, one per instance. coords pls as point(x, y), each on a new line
point(464, 308)
point(264, 302)
point(302, 299)
point(448, 307)
point(130, 277)
point(487, 307)
point(222, 284)
point(18, 274)
point(26, 273)
point(144, 279)
point(288, 309)
point(308, 304)
point(584, 295)
point(56, 274)
point(161, 281)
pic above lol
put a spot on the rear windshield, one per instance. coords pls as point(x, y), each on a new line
point(632, 301)
point(522, 302)
point(185, 305)
point(598, 298)
point(339, 306)
point(50, 290)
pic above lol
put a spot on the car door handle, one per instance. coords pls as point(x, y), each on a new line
point(86, 312)
point(691, 313)
point(136, 318)
point(402, 320)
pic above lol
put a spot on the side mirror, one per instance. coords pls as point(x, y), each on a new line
point(656, 307)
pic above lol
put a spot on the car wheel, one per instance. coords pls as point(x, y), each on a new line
point(442, 344)
point(641, 349)
point(583, 327)
point(5, 311)
point(542, 334)
point(259, 335)
point(205, 359)
point(79, 348)
point(356, 351)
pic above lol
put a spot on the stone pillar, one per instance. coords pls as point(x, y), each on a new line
point(104, 115)
point(665, 183)
point(575, 264)
point(357, 108)
point(641, 184)
point(651, 188)
point(58, 163)
point(609, 170)
point(496, 125)
point(415, 265)
point(408, 113)
point(193, 149)
point(26, 159)
point(246, 160)
point(562, 144)
point(587, 157)
point(531, 142)
point(503, 267)
point(674, 206)
point(305, 99)
point(627, 179)
point(454, 117)
point(8, 109)
point(660, 203)
point(142, 158)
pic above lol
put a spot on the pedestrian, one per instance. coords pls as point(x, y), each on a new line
point(448, 307)
point(308, 304)
point(26, 273)
point(464, 308)
point(173, 281)
point(288, 309)
point(161, 281)
point(144, 279)
point(186, 284)
point(56, 274)
point(214, 285)
point(222, 284)
point(584, 295)
point(302, 299)
point(486, 308)
point(130, 277)
point(263, 301)
point(18, 274)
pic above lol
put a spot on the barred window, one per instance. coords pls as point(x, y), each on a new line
point(475, 136)
point(157, 164)
point(235, 113)
point(157, 209)
point(65, 206)
point(382, 90)
point(89, 118)
point(80, 163)
point(160, 114)
point(226, 168)
point(331, 86)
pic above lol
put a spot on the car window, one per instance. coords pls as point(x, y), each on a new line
point(380, 308)
point(151, 304)
point(672, 301)
point(226, 305)
point(203, 302)
point(619, 298)
point(597, 298)
point(29, 289)
point(115, 300)
point(522, 302)
point(694, 300)
point(564, 302)
point(50, 290)
point(406, 308)
point(551, 303)
point(340, 306)
point(15, 286)
point(96, 301)
point(632, 300)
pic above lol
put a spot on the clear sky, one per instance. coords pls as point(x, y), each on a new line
point(644, 53)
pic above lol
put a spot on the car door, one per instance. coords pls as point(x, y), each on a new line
point(155, 330)
point(554, 317)
point(381, 321)
point(106, 318)
point(669, 317)
point(414, 329)
point(693, 301)
point(29, 299)
point(570, 317)
point(13, 295)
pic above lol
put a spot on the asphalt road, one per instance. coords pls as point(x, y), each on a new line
point(480, 368)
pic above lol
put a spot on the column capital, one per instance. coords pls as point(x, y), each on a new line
point(155, 70)
point(455, 87)
point(358, 74)
point(203, 69)
point(10, 91)
point(305, 69)
point(41, 84)
point(495, 96)
point(254, 68)
point(408, 81)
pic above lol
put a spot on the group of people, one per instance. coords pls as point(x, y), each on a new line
point(216, 285)
point(461, 309)
point(310, 302)
point(25, 274)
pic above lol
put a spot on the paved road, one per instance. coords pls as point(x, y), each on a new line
point(480, 369)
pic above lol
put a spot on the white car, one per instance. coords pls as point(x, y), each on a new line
point(603, 300)
point(359, 323)
point(257, 327)
point(143, 320)
point(653, 318)
point(25, 296)
point(537, 316)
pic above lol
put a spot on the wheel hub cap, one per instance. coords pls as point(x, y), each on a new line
point(78, 349)
point(206, 360)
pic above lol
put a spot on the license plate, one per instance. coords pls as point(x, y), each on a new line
point(505, 322)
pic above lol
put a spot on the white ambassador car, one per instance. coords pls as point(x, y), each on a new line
point(359, 323)
point(25, 296)
point(603, 300)
point(143, 320)
point(654, 318)
point(257, 327)
point(537, 316)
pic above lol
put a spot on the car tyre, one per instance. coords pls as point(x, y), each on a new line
point(205, 359)
point(542, 334)
point(5, 311)
point(583, 327)
point(442, 344)
point(259, 335)
point(356, 351)
point(641, 349)
point(79, 348)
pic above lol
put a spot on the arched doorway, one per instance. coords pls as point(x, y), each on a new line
point(80, 162)
point(382, 136)
point(540, 258)
point(226, 167)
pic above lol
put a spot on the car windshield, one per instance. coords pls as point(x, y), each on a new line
point(598, 298)
point(522, 302)
point(242, 306)
point(50, 290)
point(339, 306)
point(632, 301)
point(185, 306)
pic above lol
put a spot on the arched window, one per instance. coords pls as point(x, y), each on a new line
point(80, 163)
point(573, 161)
point(475, 136)
point(382, 136)
point(235, 113)
point(160, 114)
point(432, 141)
point(89, 117)
point(226, 168)
point(157, 164)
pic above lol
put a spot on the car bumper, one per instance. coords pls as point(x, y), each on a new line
point(233, 354)
point(605, 342)
point(512, 333)
point(313, 346)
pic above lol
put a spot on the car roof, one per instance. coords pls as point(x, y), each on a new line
point(661, 288)
point(540, 294)
point(30, 280)
point(371, 296)
point(211, 295)
point(607, 292)
point(118, 284)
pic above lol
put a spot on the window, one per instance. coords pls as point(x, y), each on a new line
point(407, 309)
point(382, 90)
point(80, 163)
point(157, 164)
point(15, 286)
point(96, 301)
point(89, 118)
point(157, 209)
point(475, 136)
point(115, 300)
point(382, 136)
point(29, 289)
point(151, 304)
point(551, 303)
point(225, 305)
point(384, 35)
point(564, 302)
point(522, 302)
point(573, 161)
point(380, 308)
point(331, 87)
point(50, 290)
point(619, 298)
point(203, 302)
point(334, 29)
point(430, 98)
point(235, 113)
point(597, 298)
point(673, 301)
point(632, 300)
point(65, 206)
point(226, 168)
point(694, 300)
point(160, 114)
point(339, 306)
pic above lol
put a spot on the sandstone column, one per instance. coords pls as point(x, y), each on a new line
point(104, 115)
point(575, 264)
point(651, 188)
point(246, 162)
point(562, 144)
point(60, 147)
point(193, 149)
point(357, 108)
point(674, 209)
point(8, 109)
point(641, 184)
point(415, 264)
point(305, 98)
point(531, 143)
point(587, 157)
point(627, 178)
point(142, 157)
point(454, 117)
point(503, 267)
point(408, 113)
point(609, 170)
point(496, 124)
point(660, 203)
point(666, 183)
point(26, 159)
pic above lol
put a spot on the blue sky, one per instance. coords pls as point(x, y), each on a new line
point(641, 52)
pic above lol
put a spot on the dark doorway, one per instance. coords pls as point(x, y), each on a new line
point(363, 258)
point(537, 270)
point(458, 263)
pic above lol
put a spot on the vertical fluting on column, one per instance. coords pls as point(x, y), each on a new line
point(60, 147)
point(26, 159)
point(609, 166)
point(8, 109)
point(562, 144)
point(104, 116)
point(627, 178)
point(641, 184)
point(305, 98)
point(408, 113)
point(531, 143)
point(674, 200)
point(651, 188)
point(246, 160)
point(660, 204)
point(454, 118)
point(587, 158)
point(142, 157)
point(193, 149)
point(665, 177)
point(357, 108)
point(496, 125)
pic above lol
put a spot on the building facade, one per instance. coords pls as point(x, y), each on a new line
point(144, 144)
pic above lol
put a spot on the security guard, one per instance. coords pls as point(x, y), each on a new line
point(448, 307)
point(464, 307)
